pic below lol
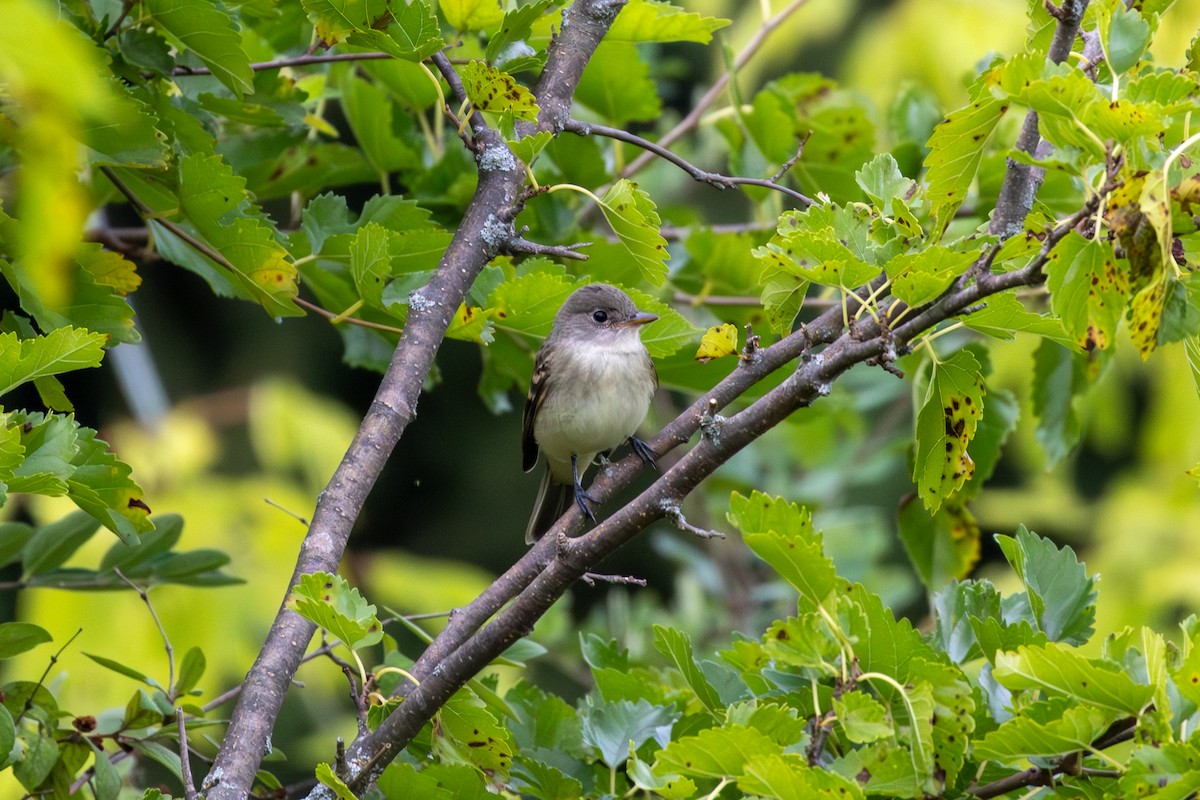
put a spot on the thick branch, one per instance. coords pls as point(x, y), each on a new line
point(431, 310)
point(1022, 181)
point(470, 641)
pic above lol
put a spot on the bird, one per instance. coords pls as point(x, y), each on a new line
point(592, 383)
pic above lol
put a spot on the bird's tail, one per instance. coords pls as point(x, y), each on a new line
point(551, 503)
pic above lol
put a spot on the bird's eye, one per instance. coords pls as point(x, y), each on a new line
point(600, 316)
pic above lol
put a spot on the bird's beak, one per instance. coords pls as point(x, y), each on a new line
point(641, 319)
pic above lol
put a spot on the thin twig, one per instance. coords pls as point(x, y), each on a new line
point(189, 787)
point(592, 578)
point(148, 214)
point(693, 118)
point(711, 178)
point(294, 61)
point(379, 326)
point(161, 630)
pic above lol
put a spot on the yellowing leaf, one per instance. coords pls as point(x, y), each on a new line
point(472, 15)
point(946, 423)
point(1087, 290)
point(955, 150)
point(1145, 316)
point(718, 341)
point(495, 91)
point(472, 324)
point(109, 268)
point(654, 21)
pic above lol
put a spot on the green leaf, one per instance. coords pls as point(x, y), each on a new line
point(1058, 670)
point(141, 712)
point(329, 779)
point(634, 219)
point(411, 33)
point(861, 717)
point(716, 752)
point(616, 84)
point(611, 727)
point(370, 262)
point(781, 534)
point(127, 135)
point(169, 758)
point(515, 29)
point(101, 486)
point(1059, 378)
point(1126, 38)
point(943, 546)
point(13, 537)
point(472, 15)
point(40, 756)
point(921, 277)
point(465, 732)
point(53, 544)
point(886, 769)
point(538, 779)
point(789, 777)
point(495, 91)
point(191, 670)
point(329, 601)
point(678, 647)
point(955, 151)
point(1062, 597)
point(946, 421)
point(61, 350)
point(18, 637)
point(883, 182)
point(1087, 290)
point(121, 669)
point(127, 555)
point(205, 29)
point(216, 203)
point(373, 119)
point(8, 734)
point(96, 306)
point(655, 21)
point(1063, 729)
point(1003, 316)
point(954, 609)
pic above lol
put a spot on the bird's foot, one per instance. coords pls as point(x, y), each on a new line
point(582, 499)
point(643, 450)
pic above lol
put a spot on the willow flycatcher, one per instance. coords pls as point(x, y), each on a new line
point(591, 387)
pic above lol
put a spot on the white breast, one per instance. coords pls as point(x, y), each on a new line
point(599, 411)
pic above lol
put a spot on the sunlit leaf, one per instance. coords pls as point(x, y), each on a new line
point(633, 217)
point(955, 151)
point(493, 90)
point(657, 21)
point(204, 29)
point(718, 341)
point(329, 601)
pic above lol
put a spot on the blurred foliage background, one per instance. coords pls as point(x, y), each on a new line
point(262, 411)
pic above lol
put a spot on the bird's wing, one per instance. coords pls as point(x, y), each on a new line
point(537, 395)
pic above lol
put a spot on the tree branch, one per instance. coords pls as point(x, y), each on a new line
point(711, 178)
point(294, 61)
point(518, 598)
point(1022, 181)
point(431, 309)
